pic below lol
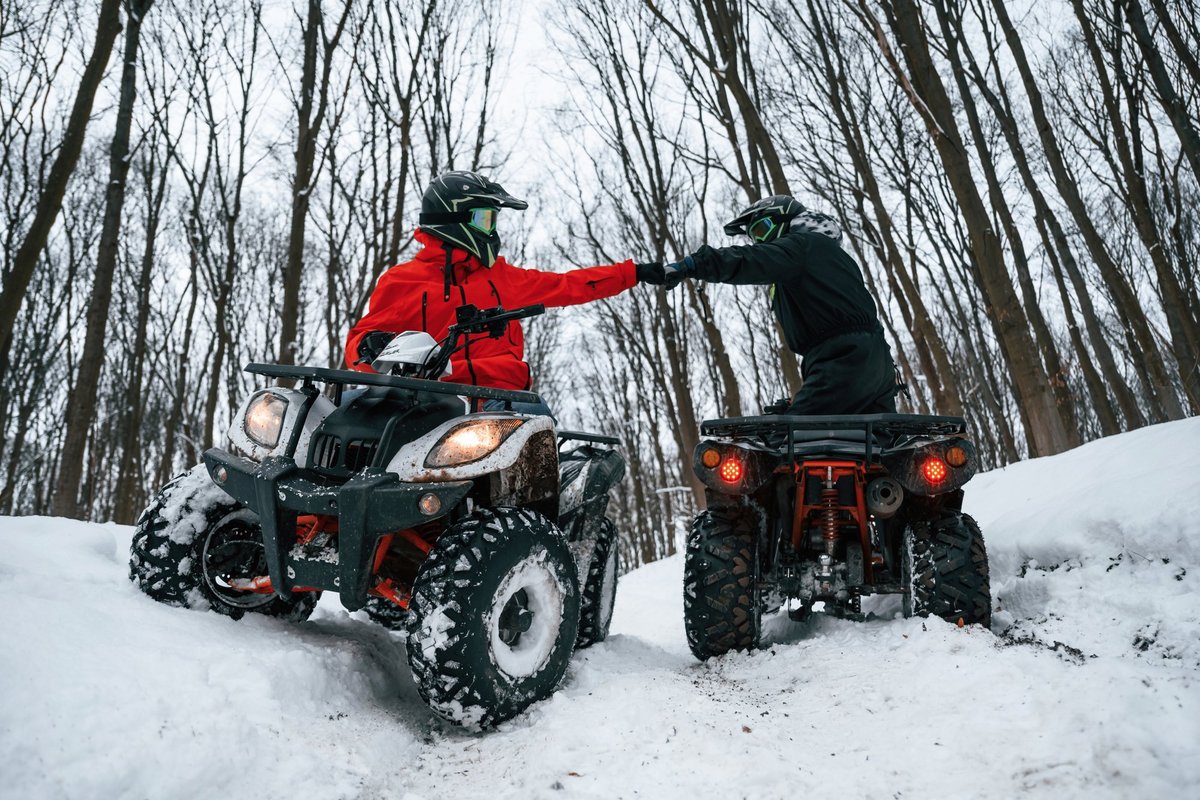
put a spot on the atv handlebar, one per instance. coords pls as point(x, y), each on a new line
point(492, 321)
point(470, 320)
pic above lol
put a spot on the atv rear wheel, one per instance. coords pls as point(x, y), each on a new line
point(494, 615)
point(600, 591)
point(946, 570)
point(721, 605)
point(194, 544)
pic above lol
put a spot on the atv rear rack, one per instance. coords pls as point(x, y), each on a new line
point(774, 430)
point(591, 438)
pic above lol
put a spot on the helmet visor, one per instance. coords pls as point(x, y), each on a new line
point(762, 230)
point(483, 219)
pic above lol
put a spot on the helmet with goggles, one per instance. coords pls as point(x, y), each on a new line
point(461, 208)
point(765, 220)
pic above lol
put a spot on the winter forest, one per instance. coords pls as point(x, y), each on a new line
point(186, 187)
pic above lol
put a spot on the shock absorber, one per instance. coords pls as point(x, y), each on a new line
point(829, 514)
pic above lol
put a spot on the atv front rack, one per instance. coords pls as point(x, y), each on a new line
point(344, 377)
point(779, 431)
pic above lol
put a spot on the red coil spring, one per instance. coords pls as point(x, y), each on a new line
point(829, 515)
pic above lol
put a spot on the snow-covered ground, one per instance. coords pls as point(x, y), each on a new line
point(1088, 685)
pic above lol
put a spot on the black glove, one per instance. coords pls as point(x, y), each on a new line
point(651, 272)
point(371, 345)
point(674, 273)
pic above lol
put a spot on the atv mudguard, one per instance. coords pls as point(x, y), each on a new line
point(522, 471)
point(586, 474)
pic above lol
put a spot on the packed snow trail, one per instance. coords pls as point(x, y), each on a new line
point(1088, 684)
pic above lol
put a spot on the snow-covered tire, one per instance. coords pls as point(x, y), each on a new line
point(386, 613)
point(721, 607)
point(946, 570)
point(187, 534)
point(600, 590)
point(493, 618)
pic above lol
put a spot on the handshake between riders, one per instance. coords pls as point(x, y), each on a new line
point(817, 293)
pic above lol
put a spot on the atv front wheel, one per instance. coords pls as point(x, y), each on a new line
point(600, 591)
point(494, 614)
point(721, 607)
point(946, 570)
point(194, 545)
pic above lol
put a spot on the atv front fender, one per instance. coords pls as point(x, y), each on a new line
point(368, 506)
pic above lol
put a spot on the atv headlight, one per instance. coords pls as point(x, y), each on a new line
point(264, 419)
point(471, 441)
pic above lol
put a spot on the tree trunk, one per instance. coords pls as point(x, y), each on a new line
point(1185, 339)
point(130, 480)
point(50, 201)
point(1159, 384)
point(81, 412)
point(314, 98)
point(1173, 104)
point(1063, 397)
point(931, 347)
point(1100, 404)
point(1044, 427)
point(1055, 240)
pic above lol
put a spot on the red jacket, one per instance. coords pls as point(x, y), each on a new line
point(410, 297)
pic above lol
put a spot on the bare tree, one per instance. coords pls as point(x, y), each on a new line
point(312, 104)
point(49, 202)
point(82, 413)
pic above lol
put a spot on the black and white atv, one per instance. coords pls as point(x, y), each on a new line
point(483, 534)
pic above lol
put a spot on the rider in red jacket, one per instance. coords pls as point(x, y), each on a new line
point(459, 266)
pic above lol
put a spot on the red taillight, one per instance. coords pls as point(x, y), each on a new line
point(731, 470)
point(934, 470)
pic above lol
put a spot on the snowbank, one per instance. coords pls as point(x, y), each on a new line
point(1088, 684)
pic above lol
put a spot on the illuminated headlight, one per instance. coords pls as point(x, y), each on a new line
point(471, 441)
point(264, 419)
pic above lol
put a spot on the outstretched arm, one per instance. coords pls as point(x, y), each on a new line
point(556, 289)
point(781, 260)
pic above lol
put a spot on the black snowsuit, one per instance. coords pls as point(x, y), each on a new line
point(827, 316)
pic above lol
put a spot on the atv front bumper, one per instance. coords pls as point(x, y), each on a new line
point(368, 506)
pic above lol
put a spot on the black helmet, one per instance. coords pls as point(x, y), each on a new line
point(765, 220)
point(460, 208)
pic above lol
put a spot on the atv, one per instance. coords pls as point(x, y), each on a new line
point(481, 533)
point(817, 511)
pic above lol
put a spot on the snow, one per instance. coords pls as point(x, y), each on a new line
point(546, 597)
point(1087, 686)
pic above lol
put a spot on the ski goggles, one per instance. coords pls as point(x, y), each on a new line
point(762, 230)
point(483, 219)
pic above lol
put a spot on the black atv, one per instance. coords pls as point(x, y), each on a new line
point(482, 533)
point(807, 510)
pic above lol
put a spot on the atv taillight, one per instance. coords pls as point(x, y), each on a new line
point(934, 470)
point(731, 470)
point(956, 456)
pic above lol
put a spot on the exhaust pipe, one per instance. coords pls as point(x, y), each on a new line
point(884, 496)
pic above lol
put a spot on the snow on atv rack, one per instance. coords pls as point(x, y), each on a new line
point(872, 430)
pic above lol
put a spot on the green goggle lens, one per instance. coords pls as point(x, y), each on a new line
point(762, 230)
point(483, 219)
